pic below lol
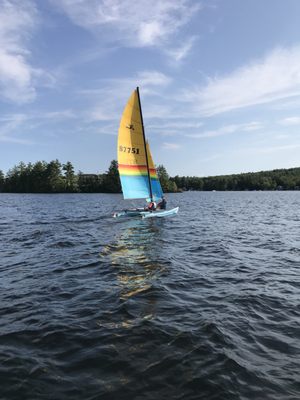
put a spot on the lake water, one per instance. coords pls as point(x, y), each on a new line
point(203, 305)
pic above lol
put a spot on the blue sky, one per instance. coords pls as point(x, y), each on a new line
point(219, 82)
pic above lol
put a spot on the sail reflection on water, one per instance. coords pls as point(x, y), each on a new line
point(135, 257)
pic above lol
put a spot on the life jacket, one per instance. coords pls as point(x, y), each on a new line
point(152, 206)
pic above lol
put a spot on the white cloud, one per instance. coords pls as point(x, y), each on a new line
point(56, 115)
point(10, 125)
point(116, 92)
point(17, 20)
point(15, 140)
point(252, 126)
point(171, 146)
point(290, 121)
point(288, 104)
point(13, 118)
point(18, 77)
point(152, 78)
point(14, 125)
point(275, 77)
point(117, 87)
point(139, 24)
point(228, 129)
point(99, 113)
point(170, 127)
point(179, 125)
point(181, 52)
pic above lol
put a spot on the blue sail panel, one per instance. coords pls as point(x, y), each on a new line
point(137, 187)
point(156, 189)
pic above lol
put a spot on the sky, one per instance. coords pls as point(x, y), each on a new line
point(219, 82)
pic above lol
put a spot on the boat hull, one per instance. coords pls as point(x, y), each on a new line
point(160, 213)
point(146, 214)
point(128, 213)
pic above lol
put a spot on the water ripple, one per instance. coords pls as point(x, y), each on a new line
point(201, 306)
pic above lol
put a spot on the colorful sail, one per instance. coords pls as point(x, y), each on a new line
point(132, 161)
point(157, 192)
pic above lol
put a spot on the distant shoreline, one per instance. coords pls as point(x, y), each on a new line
point(54, 177)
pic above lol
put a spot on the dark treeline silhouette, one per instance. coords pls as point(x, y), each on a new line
point(54, 177)
point(278, 179)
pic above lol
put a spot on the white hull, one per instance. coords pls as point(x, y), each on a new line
point(146, 214)
point(160, 213)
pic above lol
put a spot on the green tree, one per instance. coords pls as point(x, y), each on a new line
point(195, 183)
point(111, 182)
point(172, 186)
point(38, 177)
point(55, 181)
point(70, 177)
point(163, 178)
point(90, 183)
point(2, 180)
point(12, 179)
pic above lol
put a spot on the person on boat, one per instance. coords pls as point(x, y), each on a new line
point(151, 206)
point(162, 205)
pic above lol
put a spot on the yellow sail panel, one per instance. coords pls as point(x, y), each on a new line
point(132, 160)
point(131, 152)
point(151, 165)
point(131, 148)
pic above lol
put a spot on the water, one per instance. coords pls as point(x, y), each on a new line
point(203, 305)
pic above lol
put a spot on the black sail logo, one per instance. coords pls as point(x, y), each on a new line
point(130, 127)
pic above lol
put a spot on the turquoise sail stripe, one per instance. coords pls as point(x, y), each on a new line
point(156, 189)
point(137, 187)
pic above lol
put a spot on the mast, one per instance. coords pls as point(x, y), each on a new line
point(145, 146)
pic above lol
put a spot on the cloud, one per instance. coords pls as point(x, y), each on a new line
point(252, 126)
point(140, 24)
point(18, 78)
point(275, 77)
point(181, 52)
point(15, 140)
point(17, 21)
point(228, 129)
point(56, 115)
point(171, 127)
point(152, 78)
point(11, 124)
point(178, 125)
point(115, 92)
point(290, 121)
point(171, 146)
point(48, 115)
point(148, 80)
point(288, 104)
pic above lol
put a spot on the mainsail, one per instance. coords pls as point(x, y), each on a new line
point(136, 168)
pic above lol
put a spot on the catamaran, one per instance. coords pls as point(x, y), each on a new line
point(137, 172)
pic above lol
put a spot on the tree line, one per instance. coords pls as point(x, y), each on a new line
point(278, 179)
point(55, 177)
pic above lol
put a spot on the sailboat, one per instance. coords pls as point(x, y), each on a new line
point(137, 172)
